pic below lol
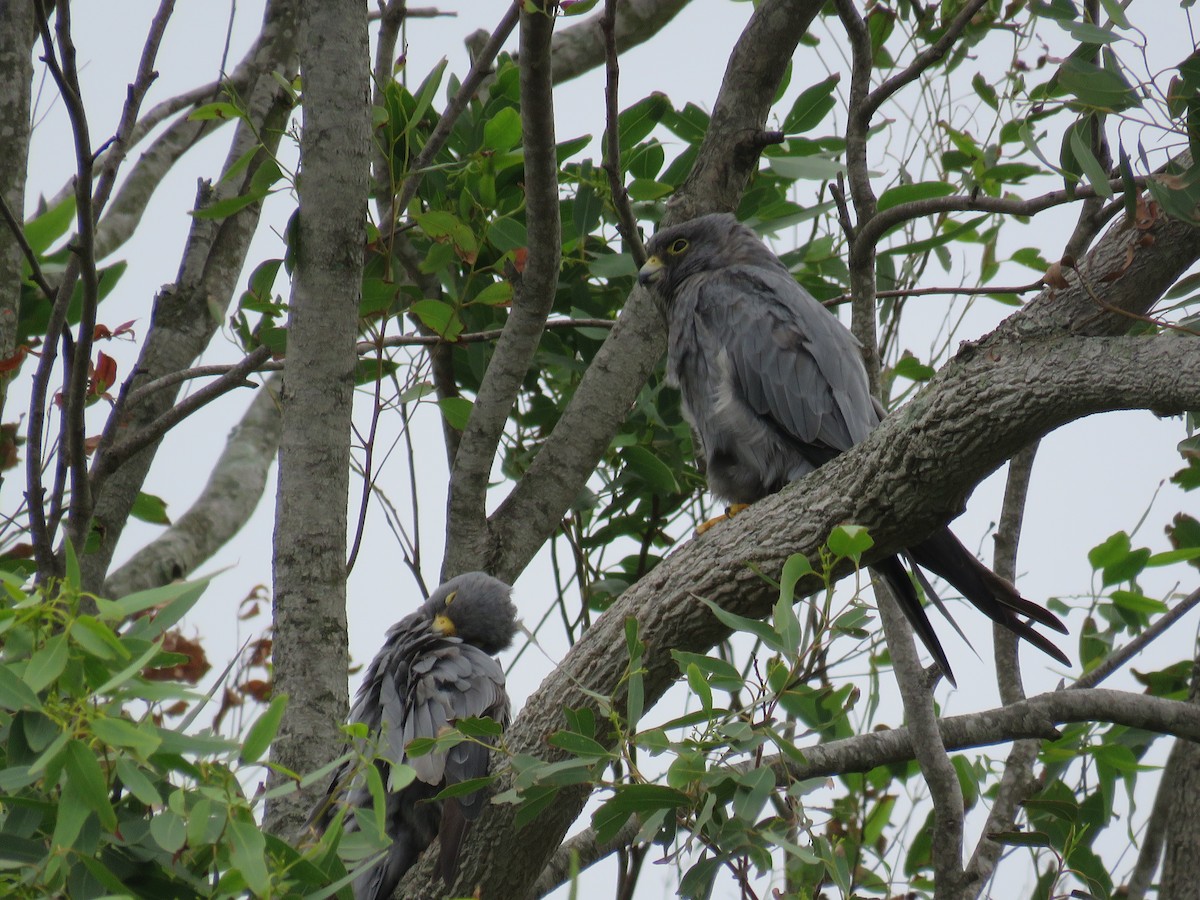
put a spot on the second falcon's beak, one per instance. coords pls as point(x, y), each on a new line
point(443, 626)
point(648, 273)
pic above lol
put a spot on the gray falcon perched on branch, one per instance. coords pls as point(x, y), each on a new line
point(436, 667)
point(774, 386)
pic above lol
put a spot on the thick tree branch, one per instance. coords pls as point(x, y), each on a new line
point(912, 474)
point(1017, 782)
point(534, 509)
point(186, 315)
point(580, 47)
point(230, 496)
point(467, 539)
point(16, 75)
point(309, 570)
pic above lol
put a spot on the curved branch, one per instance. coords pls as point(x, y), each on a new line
point(466, 528)
point(580, 48)
point(910, 476)
point(229, 498)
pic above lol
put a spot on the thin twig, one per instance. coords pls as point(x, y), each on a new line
point(1118, 658)
point(627, 221)
point(923, 60)
point(363, 348)
point(18, 233)
point(942, 291)
point(236, 377)
point(437, 139)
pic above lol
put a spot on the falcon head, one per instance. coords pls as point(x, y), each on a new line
point(475, 608)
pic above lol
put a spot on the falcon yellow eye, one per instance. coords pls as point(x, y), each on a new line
point(450, 597)
point(679, 245)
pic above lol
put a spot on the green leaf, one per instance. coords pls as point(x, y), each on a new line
point(442, 226)
point(913, 369)
point(47, 663)
point(174, 599)
point(85, 775)
point(810, 168)
point(507, 234)
point(263, 731)
point(503, 130)
point(142, 738)
point(71, 812)
point(439, 316)
point(456, 411)
point(480, 728)
point(149, 508)
point(130, 671)
point(633, 799)
point(247, 852)
point(1115, 548)
point(97, 639)
point(761, 630)
point(985, 91)
point(136, 782)
point(647, 190)
point(650, 469)
point(850, 541)
point(755, 786)
point(577, 744)
point(813, 104)
point(578, 7)
point(1095, 87)
point(498, 293)
point(1096, 176)
point(910, 193)
point(168, 830)
point(14, 693)
point(700, 687)
point(221, 111)
point(42, 231)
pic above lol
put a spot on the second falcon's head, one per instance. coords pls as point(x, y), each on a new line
point(475, 608)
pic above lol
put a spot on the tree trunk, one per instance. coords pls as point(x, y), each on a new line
point(310, 653)
point(16, 75)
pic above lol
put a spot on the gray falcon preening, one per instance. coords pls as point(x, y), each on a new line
point(436, 667)
point(774, 386)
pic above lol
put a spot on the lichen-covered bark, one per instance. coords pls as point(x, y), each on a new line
point(187, 314)
point(16, 73)
point(310, 653)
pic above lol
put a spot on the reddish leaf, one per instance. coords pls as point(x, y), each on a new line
point(104, 373)
point(520, 257)
point(191, 671)
point(258, 689)
point(14, 362)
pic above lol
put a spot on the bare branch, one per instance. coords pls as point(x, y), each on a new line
point(466, 529)
point(612, 149)
point(470, 84)
point(580, 47)
point(1017, 781)
point(109, 459)
point(921, 716)
point(923, 61)
point(18, 233)
point(1119, 657)
point(230, 496)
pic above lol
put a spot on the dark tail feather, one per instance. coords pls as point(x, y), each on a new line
point(944, 555)
point(450, 837)
point(906, 595)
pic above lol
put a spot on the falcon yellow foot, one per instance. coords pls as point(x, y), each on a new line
point(730, 512)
